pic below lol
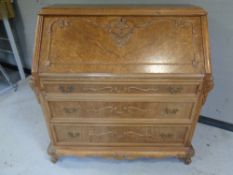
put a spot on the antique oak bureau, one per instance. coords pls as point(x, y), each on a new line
point(121, 81)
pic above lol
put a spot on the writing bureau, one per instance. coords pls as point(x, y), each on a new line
point(121, 81)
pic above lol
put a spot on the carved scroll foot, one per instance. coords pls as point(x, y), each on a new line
point(54, 159)
point(187, 159)
point(52, 152)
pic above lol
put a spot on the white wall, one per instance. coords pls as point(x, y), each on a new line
point(220, 102)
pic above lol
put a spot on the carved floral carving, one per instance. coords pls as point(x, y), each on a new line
point(61, 24)
point(114, 109)
point(207, 87)
point(147, 134)
point(122, 109)
point(120, 29)
point(117, 89)
point(123, 134)
point(171, 111)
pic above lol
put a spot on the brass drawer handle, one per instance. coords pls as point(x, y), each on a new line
point(70, 110)
point(66, 89)
point(175, 90)
point(166, 135)
point(73, 134)
point(171, 111)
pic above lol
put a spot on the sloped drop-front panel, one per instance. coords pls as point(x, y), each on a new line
point(122, 44)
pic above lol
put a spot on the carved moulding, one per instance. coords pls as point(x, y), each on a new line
point(180, 23)
point(146, 135)
point(114, 109)
point(60, 23)
point(185, 156)
point(120, 29)
point(120, 134)
point(120, 89)
point(119, 109)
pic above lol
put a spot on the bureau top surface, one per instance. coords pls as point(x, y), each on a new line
point(122, 39)
point(122, 10)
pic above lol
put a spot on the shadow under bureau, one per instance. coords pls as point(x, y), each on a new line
point(121, 81)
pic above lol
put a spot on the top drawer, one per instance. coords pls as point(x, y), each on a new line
point(111, 88)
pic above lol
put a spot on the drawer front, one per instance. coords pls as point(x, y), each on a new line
point(119, 134)
point(120, 88)
point(121, 110)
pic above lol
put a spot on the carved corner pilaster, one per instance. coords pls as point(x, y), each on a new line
point(34, 87)
point(207, 87)
point(31, 82)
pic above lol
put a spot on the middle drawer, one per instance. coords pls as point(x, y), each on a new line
point(121, 110)
point(120, 88)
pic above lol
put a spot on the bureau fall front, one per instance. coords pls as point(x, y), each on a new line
point(121, 81)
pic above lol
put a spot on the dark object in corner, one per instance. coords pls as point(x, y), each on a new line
point(14, 67)
point(216, 123)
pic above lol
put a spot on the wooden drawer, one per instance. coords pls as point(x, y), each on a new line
point(121, 110)
point(111, 134)
point(120, 88)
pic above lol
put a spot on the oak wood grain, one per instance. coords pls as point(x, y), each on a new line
point(119, 135)
point(122, 81)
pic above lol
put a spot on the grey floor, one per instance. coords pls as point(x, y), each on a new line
point(24, 140)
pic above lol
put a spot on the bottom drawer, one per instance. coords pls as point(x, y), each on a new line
point(121, 135)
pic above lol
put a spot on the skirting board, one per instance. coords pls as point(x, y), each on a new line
point(202, 119)
point(216, 123)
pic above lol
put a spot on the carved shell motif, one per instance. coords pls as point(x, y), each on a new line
point(120, 29)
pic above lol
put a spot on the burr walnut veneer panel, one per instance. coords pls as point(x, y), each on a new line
point(113, 88)
point(123, 135)
point(104, 44)
point(121, 81)
point(120, 109)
